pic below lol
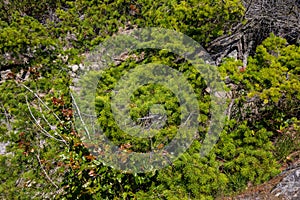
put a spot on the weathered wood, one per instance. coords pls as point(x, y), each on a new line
point(263, 17)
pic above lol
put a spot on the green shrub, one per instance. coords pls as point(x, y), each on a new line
point(48, 159)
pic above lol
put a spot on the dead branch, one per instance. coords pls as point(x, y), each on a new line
point(281, 17)
point(38, 158)
point(79, 114)
point(39, 125)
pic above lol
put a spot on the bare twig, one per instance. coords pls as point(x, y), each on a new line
point(38, 158)
point(229, 108)
point(188, 118)
point(37, 96)
point(7, 118)
point(79, 114)
point(38, 124)
point(51, 127)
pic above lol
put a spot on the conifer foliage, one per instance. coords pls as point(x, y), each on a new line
point(46, 158)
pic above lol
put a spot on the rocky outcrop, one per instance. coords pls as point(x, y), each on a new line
point(285, 186)
point(289, 186)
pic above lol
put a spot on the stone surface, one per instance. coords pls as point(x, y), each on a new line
point(3, 148)
point(289, 187)
point(285, 186)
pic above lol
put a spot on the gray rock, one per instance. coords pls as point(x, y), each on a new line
point(74, 68)
point(3, 147)
point(289, 187)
